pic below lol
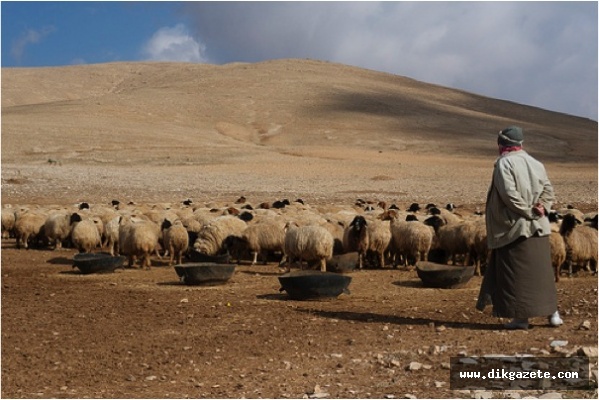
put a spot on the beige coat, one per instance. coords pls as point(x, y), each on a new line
point(519, 182)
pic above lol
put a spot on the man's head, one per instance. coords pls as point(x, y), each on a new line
point(511, 136)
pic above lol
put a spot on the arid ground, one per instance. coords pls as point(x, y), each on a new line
point(326, 133)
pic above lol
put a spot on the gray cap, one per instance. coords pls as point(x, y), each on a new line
point(511, 136)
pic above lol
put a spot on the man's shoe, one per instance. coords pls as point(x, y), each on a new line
point(555, 320)
point(517, 323)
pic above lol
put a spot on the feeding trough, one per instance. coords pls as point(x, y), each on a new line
point(343, 262)
point(302, 285)
point(435, 275)
point(95, 263)
point(197, 257)
point(206, 274)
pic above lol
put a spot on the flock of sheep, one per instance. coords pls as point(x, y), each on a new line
point(294, 231)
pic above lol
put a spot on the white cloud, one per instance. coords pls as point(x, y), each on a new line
point(542, 54)
point(31, 36)
point(174, 44)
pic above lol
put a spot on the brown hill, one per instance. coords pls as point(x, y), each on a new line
point(166, 131)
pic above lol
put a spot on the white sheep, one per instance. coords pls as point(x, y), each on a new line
point(8, 222)
point(138, 238)
point(111, 234)
point(176, 240)
point(84, 234)
point(558, 253)
point(267, 235)
point(411, 239)
point(379, 239)
point(581, 243)
point(307, 243)
point(211, 237)
point(29, 228)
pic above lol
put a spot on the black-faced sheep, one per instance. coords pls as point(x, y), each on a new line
point(175, 239)
point(355, 238)
point(455, 239)
point(581, 243)
point(307, 243)
point(57, 228)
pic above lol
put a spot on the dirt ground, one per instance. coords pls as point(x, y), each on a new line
point(142, 334)
point(325, 133)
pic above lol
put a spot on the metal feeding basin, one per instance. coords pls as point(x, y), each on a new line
point(95, 263)
point(204, 273)
point(443, 276)
point(302, 285)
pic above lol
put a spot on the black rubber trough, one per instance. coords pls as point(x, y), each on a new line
point(197, 257)
point(443, 276)
point(207, 274)
point(97, 263)
point(305, 285)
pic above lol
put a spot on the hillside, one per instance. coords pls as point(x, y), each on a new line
point(162, 131)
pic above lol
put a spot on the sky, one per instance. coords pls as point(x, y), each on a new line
point(542, 54)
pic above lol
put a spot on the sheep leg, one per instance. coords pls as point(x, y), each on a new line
point(382, 259)
point(323, 264)
point(255, 260)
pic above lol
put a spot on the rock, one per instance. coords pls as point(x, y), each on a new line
point(414, 366)
point(512, 395)
point(468, 361)
point(440, 328)
point(439, 384)
point(483, 394)
point(445, 365)
point(588, 351)
point(409, 396)
point(585, 325)
point(551, 395)
point(558, 343)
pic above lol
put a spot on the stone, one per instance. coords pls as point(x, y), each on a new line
point(414, 366)
point(551, 395)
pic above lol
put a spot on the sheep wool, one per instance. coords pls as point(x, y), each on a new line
point(308, 243)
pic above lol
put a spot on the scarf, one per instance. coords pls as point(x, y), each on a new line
point(507, 149)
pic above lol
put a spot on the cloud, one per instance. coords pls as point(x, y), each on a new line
point(174, 44)
point(537, 53)
point(31, 36)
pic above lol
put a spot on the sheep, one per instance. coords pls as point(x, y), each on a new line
point(176, 240)
point(138, 238)
point(29, 228)
point(411, 240)
point(211, 237)
point(111, 233)
point(84, 235)
point(456, 238)
point(8, 222)
point(379, 239)
point(479, 251)
point(558, 253)
point(57, 228)
point(259, 238)
point(309, 243)
point(581, 243)
point(355, 238)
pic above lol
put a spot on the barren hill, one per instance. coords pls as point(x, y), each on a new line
point(284, 128)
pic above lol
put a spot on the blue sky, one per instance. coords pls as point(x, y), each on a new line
point(542, 54)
